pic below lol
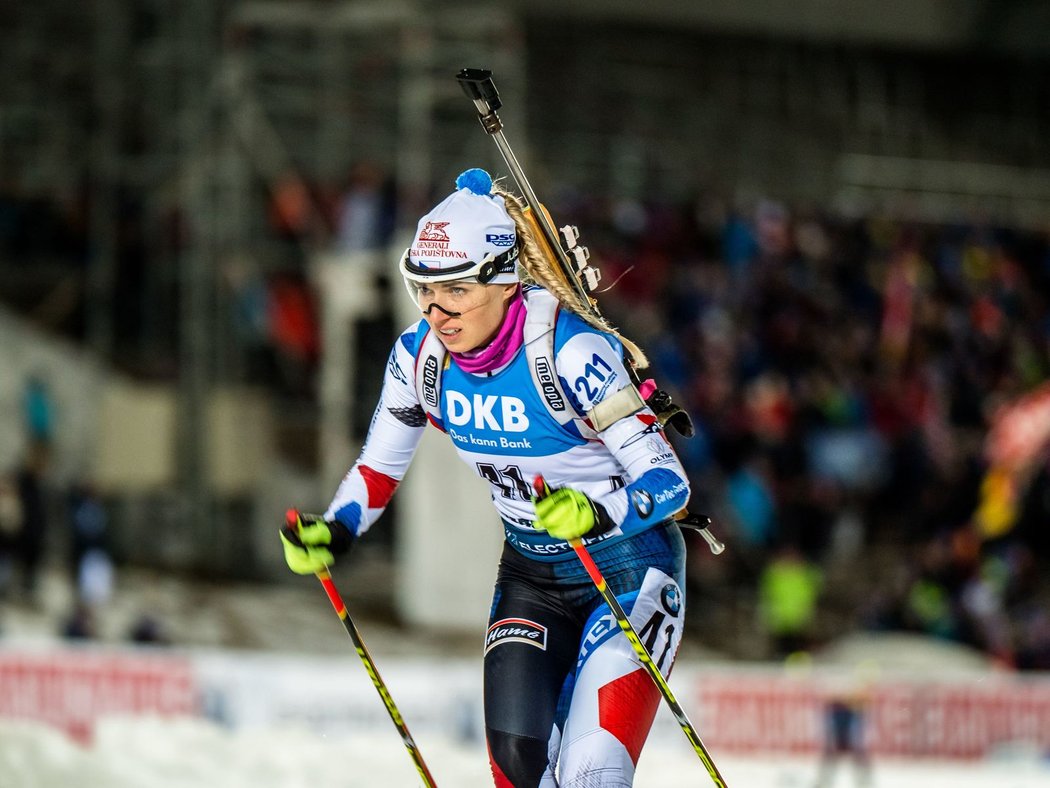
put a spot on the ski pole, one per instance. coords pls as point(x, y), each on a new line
point(292, 519)
point(639, 648)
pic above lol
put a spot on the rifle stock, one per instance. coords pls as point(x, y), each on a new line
point(558, 265)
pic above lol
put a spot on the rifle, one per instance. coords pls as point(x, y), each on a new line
point(571, 262)
point(569, 259)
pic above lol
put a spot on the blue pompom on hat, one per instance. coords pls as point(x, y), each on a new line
point(476, 180)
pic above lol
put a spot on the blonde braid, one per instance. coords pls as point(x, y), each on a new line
point(537, 269)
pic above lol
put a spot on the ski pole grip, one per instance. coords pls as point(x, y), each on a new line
point(478, 85)
point(539, 484)
point(291, 527)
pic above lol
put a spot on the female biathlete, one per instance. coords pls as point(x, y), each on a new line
point(526, 383)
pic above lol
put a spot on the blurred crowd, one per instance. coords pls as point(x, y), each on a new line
point(843, 374)
point(45, 525)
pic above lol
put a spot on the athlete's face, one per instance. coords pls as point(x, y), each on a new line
point(465, 315)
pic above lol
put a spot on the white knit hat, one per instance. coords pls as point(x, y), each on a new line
point(468, 235)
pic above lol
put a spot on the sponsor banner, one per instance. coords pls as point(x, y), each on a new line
point(71, 689)
point(736, 709)
point(756, 713)
point(334, 695)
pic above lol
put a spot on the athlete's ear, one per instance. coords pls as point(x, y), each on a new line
point(509, 291)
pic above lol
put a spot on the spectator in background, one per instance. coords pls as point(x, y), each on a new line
point(10, 528)
point(148, 630)
point(92, 564)
point(844, 732)
point(366, 213)
point(739, 246)
point(292, 211)
point(751, 504)
point(248, 298)
point(366, 209)
point(32, 536)
point(39, 410)
point(788, 589)
point(294, 331)
point(81, 623)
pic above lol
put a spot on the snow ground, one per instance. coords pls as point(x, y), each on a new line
point(188, 753)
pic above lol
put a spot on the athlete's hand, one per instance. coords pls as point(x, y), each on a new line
point(568, 514)
point(311, 543)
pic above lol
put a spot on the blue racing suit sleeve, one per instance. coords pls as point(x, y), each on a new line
point(658, 495)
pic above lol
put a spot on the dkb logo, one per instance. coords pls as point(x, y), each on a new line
point(481, 410)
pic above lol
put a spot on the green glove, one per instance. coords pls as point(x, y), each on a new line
point(569, 514)
point(311, 543)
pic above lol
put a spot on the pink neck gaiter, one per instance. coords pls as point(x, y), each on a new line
point(502, 348)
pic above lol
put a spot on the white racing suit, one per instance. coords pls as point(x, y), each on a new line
point(566, 701)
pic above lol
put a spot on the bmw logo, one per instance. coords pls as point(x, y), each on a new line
point(642, 502)
point(671, 598)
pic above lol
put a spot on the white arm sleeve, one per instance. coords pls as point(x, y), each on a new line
point(393, 436)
